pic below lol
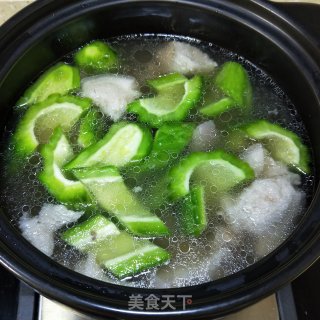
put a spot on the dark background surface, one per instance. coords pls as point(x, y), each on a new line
point(9, 289)
point(306, 291)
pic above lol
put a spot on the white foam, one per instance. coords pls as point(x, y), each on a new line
point(137, 189)
point(39, 230)
point(184, 58)
point(111, 93)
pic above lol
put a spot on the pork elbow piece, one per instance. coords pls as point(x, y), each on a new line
point(184, 58)
point(40, 229)
point(111, 93)
point(263, 203)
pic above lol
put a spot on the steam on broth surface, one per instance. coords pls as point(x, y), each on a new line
point(145, 183)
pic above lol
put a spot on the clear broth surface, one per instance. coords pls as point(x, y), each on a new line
point(219, 251)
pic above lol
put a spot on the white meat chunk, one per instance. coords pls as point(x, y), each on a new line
point(111, 93)
point(204, 137)
point(274, 168)
point(264, 203)
point(279, 232)
point(265, 166)
point(184, 58)
point(90, 268)
point(268, 242)
point(39, 230)
point(255, 156)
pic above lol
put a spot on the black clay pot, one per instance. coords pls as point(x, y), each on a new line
point(272, 37)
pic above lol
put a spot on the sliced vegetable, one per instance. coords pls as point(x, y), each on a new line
point(193, 216)
point(91, 129)
point(55, 154)
point(116, 251)
point(283, 144)
point(234, 81)
point(226, 171)
point(39, 121)
point(176, 95)
point(234, 84)
point(60, 79)
point(96, 57)
point(167, 81)
point(86, 234)
point(169, 141)
point(125, 256)
point(154, 189)
point(216, 108)
point(124, 143)
point(236, 140)
point(107, 187)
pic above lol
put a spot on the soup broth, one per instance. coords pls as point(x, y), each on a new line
point(243, 221)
